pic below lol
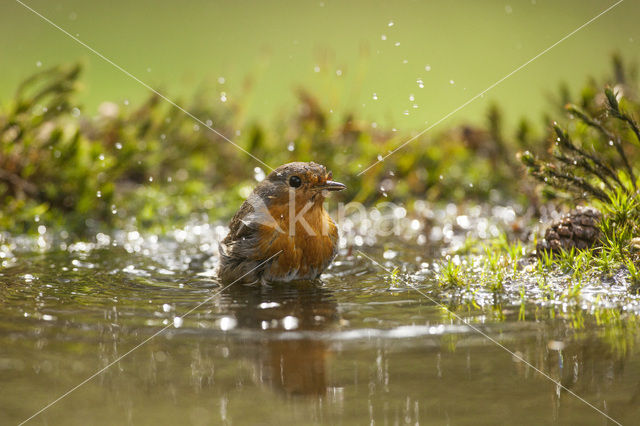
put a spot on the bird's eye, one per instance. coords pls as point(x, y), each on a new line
point(295, 181)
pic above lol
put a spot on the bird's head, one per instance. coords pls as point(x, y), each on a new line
point(304, 182)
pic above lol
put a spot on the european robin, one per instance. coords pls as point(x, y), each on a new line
point(282, 231)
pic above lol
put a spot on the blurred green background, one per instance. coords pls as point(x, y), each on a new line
point(345, 52)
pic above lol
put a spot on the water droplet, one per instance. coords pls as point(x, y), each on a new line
point(555, 345)
point(508, 9)
point(166, 307)
point(338, 73)
point(316, 69)
point(375, 96)
point(118, 145)
point(452, 82)
point(290, 323)
point(177, 322)
point(103, 239)
point(396, 44)
point(383, 37)
point(38, 64)
point(101, 157)
point(99, 194)
point(148, 69)
point(610, 143)
point(209, 123)
point(291, 146)
point(420, 83)
point(391, 24)
point(221, 80)
point(405, 61)
point(227, 323)
point(75, 112)
point(412, 98)
point(223, 97)
point(126, 101)
point(42, 229)
point(389, 254)
point(259, 174)
point(427, 68)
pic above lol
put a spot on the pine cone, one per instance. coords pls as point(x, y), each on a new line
point(578, 229)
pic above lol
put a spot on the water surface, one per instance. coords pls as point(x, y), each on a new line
point(358, 348)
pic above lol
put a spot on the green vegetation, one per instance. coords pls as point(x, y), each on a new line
point(153, 167)
point(590, 158)
point(594, 159)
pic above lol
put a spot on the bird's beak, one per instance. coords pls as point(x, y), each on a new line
point(332, 186)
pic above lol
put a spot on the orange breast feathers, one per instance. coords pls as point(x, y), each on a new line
point(308, 241)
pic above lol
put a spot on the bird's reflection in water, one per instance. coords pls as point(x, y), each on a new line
point(288, 360)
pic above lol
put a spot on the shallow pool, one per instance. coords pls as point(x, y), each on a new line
point(359, 348)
